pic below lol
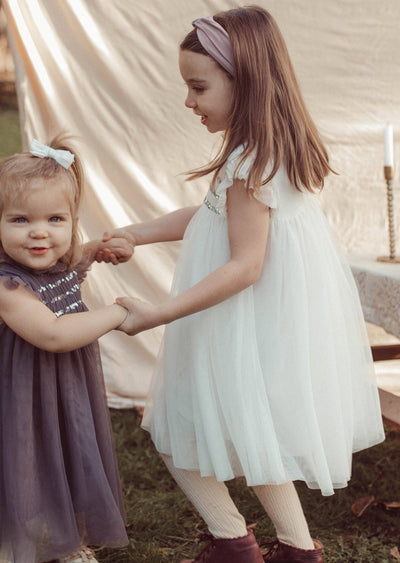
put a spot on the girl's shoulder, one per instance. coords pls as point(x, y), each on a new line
point(237, 168)
point(236, 162)
point(13, 276)
point(10, 271)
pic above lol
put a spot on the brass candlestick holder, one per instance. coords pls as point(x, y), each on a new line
point(388, 172)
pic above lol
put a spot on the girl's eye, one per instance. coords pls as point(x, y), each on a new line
point(55, 219)
point(20, 220)
point(198, 89)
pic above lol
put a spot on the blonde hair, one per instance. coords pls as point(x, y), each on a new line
point(269, 115)
point(18, 171)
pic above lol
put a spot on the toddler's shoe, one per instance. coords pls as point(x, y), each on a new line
point(84, 556)
point(284, 553)
point(236, 550)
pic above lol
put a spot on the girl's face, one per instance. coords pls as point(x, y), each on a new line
point(210, 90)
point(36, 230)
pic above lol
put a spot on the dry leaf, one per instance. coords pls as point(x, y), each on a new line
point(394, 552)
point(391, 505)
point(360, 506)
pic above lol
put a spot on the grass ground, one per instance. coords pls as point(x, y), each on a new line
point(163, 527)
point(161, 523)
point(10, 137)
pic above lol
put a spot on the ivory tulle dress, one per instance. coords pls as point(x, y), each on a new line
point(59, 483)
point(277, 382)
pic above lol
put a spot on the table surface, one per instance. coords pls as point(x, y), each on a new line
point(379, 288)
point(371, 265)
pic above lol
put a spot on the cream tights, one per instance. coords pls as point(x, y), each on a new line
point(212, 500)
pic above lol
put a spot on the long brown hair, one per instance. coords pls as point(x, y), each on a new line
point(269, 115)
point(18, 171)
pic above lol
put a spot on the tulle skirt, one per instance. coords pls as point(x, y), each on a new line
point(276, 383)
point(59, 484)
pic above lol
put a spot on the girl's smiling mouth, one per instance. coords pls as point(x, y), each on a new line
point(38, 250)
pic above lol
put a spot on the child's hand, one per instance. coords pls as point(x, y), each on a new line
point(117, 247)
point(141, 315)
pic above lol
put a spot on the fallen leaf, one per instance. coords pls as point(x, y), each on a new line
point(394, 505)
point(394, 552)
point(360, 506)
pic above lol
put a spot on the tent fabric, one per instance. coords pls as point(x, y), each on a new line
point(107, 73)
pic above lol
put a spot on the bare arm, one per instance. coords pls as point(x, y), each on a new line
point(28, 317)
point(248, 224)
point(163, 229)
point(166, 228)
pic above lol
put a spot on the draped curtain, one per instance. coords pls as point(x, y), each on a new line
point(106, 72)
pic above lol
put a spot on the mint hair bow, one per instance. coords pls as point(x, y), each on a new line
point(65, 158)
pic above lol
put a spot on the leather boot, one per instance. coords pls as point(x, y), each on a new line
point(237, 550)
point(284, 553)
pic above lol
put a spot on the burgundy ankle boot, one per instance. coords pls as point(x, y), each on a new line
point(237, 550)
point(284, 553)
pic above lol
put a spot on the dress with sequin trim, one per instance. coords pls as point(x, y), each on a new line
point(276, 383)
point(59, 483)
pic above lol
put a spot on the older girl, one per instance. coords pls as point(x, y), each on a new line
point(266, 370)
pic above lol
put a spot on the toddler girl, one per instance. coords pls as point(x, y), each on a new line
point(266, 370)
point(59, 484)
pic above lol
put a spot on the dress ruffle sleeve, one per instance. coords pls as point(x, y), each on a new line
point(237, 170)
point(13, 281)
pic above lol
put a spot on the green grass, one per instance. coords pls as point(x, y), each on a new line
point(163, 526)
point(10, 137)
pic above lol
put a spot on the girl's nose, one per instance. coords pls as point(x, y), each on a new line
point(189, 102)
point(38, 233)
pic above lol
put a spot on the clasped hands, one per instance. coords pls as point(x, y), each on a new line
point(117, 255)
point(140, 315)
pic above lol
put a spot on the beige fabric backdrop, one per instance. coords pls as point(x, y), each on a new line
point(106, 71)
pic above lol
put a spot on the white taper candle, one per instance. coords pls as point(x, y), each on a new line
point(388, 144)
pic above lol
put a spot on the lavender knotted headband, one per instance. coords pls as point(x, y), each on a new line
point(215, 40)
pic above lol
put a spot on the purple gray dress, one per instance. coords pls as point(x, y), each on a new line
point(59, 483)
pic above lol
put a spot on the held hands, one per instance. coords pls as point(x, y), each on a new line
point(141, 315)
point(118, 247)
